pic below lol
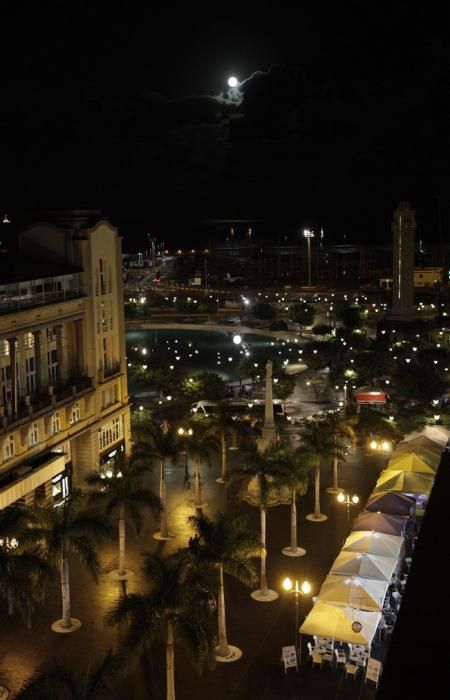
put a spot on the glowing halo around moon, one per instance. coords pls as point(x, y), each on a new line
point(233, 82)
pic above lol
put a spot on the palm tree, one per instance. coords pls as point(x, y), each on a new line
point(164, 445)
point(172, 609)
point(55, 680)
point(343, 435)
point(296, 466)
point(119, 492)
point(225, 544)
point(24, 575)
point(58, 531)
point(199, 446)
point(268, 472)
point(318, 440)
point(223, 427)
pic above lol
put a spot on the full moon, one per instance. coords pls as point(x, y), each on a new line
point(232, 82)
point(237, 339)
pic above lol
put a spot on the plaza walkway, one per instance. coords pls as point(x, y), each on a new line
point(259, 629)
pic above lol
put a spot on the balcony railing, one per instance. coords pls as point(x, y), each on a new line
point(34, 405)
point(12, 304)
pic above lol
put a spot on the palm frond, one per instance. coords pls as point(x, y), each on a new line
point(83, 547)
point(197, 638)
point(52, 680)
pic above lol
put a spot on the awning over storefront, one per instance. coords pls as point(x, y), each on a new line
point(368, 397)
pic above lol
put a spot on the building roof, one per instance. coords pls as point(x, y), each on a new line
point(19, 268)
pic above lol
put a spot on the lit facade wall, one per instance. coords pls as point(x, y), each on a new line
point(63, 384)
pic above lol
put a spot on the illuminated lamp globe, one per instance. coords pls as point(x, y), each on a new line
point(237, 339)
point(232, 82)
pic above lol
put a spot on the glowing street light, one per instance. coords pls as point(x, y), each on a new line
point(299, 589)
point(308, 235)
point(348, 501)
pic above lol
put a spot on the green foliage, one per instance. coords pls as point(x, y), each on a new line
point(206, 385)
point(123, 490)
point(318, 355)
point(263, 311)
point(284, 386)
point(226, 541)
point(322, 329)
point(303, 314)
point(180, 594)
point(350, 317)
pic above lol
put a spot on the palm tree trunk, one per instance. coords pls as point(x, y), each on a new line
point(162, 495)
point(224, 456)
point(317, 490)
point(335, 472)
point(293, 522)
point(66, 620)
point(170, 663)
point(122, 569)
point(223, 649)
point(263, 583)
point(197, 485)
point(10, 602)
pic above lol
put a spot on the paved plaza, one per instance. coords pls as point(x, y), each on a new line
point(259, 629)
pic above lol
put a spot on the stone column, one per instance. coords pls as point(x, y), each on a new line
point(269, 432)
point(403, 230)
point(60, 353)
point(79, 347)
point(13, 363)
point(22, 370)
point(38, 361)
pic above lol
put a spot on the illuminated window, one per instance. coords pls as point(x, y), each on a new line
point(9, 449)
point(75, 414)
point(55, 423)
point(33, 434)
point(110, 432)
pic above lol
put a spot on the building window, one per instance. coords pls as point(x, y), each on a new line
point(28, 340)
point(55, 423)
point(75, 414)
point(51, 334)
point(9, 448)
point(33, 434)
point(110, 432)
point(102, 276)
point(52, 367)
point(109, 396)
point(30, 368)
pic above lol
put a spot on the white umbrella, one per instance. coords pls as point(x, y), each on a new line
point(327, 620)
point(364, 565)
point(373, 543)
point(356, 592)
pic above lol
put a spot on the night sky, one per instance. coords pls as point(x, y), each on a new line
point(342, 113)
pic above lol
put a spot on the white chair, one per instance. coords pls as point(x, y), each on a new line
point(351, 669)
point(328, 657)
point(316, 659)
point(341, 658)
point(310, 649)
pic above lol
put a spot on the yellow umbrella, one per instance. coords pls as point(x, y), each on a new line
point(410, 462)
point(404, 482)
point(427, 455)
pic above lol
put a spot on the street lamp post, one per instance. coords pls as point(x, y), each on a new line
point(186, 433)
point(348, 501)
point(308, 235)
point(298, 589)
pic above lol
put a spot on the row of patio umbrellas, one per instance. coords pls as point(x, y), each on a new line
point(358, 580)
